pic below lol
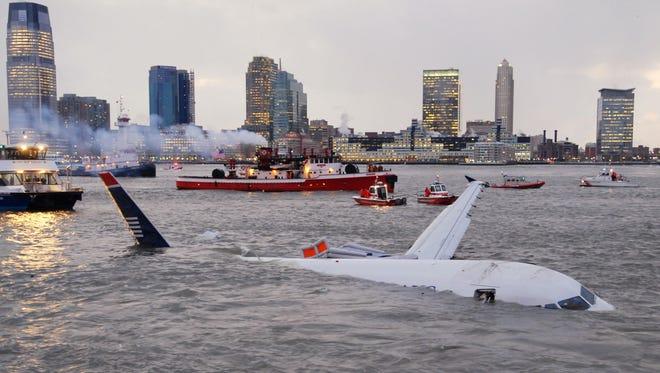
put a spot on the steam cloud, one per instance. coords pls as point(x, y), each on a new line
point(87, 141)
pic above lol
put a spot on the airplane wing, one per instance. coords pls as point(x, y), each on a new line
point(145, 234)
point(440, 239)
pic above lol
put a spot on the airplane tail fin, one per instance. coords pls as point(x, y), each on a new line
point(145, 234)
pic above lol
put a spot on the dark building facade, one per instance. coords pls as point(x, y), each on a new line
point(290, 106)
point(614, 137)
point(76, 111)
point(31, 83)
point(171, 96)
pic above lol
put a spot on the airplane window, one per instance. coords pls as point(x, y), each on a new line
point(587, 295)
point(575, 303)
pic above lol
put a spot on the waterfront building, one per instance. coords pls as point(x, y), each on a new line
point(558, 151)
point(590, 151)
point(491, 152)
point(76, 111)
point(614, 130)
point(289, 107)
point(259, 96)
point(479, 127)
point(321, 132)
point(414, 144)
point(31, 82)
point(441, 101)
point(171, 96)
point(184, 143)
point(296, 144)
point(504, 96)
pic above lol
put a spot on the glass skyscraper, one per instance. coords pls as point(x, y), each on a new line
point(31, 83)
point(290, 106)
point(616, 109)
point(441, 101)
point(504, 96)
point(259, 96)
point(171, 96)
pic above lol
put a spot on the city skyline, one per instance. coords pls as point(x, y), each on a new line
point(557, 79)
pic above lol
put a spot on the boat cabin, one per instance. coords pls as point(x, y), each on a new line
point(378, 191)
point(437, 187)
point(514, 179)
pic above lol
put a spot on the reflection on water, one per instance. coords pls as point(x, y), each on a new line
point(37, 236)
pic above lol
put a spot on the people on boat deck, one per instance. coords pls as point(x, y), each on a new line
point(427, 192)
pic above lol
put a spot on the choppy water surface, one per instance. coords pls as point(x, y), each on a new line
point(73, 297)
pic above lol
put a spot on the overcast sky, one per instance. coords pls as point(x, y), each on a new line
point(365, 58)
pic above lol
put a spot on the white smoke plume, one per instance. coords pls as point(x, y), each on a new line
point(343, 128)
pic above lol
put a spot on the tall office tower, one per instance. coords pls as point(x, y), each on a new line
point(31, 84)
point(289, 106)
point(259, 96)
point(186, 99)
point(76, 111)
point(171, 96)
point(504, 96)
point(441, 101)
point(614, 128)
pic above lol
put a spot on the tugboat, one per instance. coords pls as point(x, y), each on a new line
point(517, 182)
point(289, 174)
point(607, 178)
point(121, 165)
point(29, 182)
point(377, 195)
point(436, 194)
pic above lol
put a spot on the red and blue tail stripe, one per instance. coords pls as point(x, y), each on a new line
point(145, 234)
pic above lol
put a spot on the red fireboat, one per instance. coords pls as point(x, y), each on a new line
point(288, 174)
point(377, 195)
point(436, 194)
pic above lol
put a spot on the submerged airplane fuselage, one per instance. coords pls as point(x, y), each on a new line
point(525, 284)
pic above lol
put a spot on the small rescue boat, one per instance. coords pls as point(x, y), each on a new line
point(377, 195)
point(518, 182)
point(436, 194)
point(609, 179)
point(175, 166)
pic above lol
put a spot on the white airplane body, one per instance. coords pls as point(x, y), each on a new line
point(525, 284)
point(426, 264)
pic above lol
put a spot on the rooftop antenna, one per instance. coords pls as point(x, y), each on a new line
point(280, 63)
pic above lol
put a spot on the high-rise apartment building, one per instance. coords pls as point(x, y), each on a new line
point(76, 111)
point(171, 96)
point(504, 96)
point(31, 83)
point(259, 96)
point(289, 106)
point(614, 137)
point(441, 101)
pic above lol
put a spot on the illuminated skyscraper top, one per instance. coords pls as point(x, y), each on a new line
point(616, 111)
point(504, 96)
point(259, 96)
point(31, 83)
point(441, 101)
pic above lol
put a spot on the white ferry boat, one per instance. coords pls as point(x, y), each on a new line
point(29, 182)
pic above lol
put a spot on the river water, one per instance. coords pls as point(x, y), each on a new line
point(75, 297)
